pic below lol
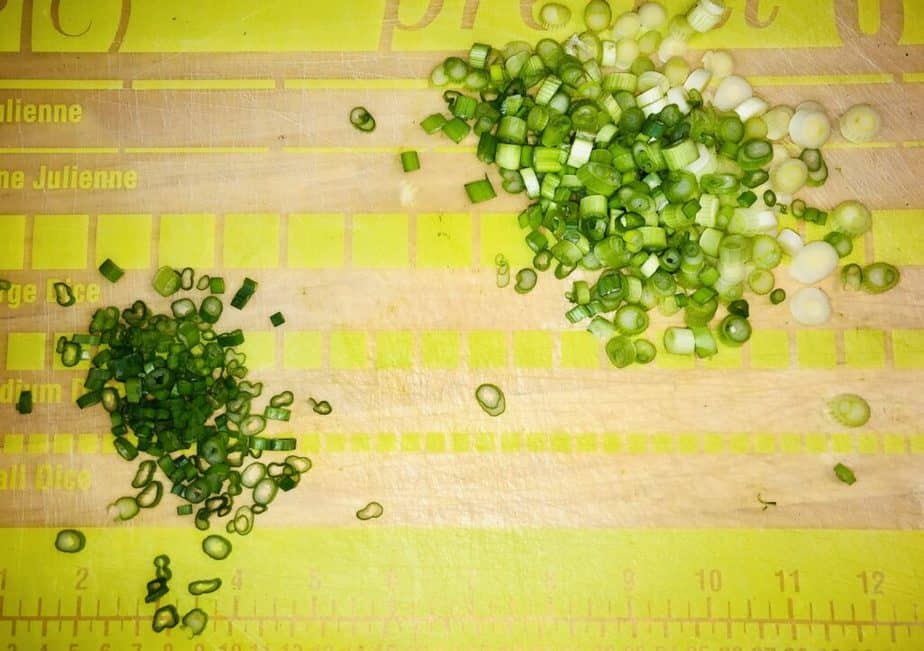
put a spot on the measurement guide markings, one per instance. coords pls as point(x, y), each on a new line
point(204, 84)
point(61, 84)
point(728, 624)
point(790, 610)
point(853, 617)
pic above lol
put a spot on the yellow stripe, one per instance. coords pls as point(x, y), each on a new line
point(913, 77)
point(59, 150)
point(355, 84)
point(821, 80)
point(204, 84)
point(913, 143)
point(861, 145)
point(61, 84)
point(196, 150)
point(344, 150)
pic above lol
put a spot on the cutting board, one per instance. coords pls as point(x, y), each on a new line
point(606, 508)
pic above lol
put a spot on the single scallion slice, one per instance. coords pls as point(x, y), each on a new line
point(621, 352)
point(111, 271)
point(849, 410)
point(480, 191)
point(216, 547)
point(320, 407)
point(852, 277)
point(277, 319)
point(64, 295)
point(491, 399)
point(410, 161)
point(195, 621)
point(24, 402)
point(165, 617)
point(124, 508)
point(845, 474)
point(144, 474)
point(880, 277)
point(371, 511)
point(362, 119)
point(70, 541)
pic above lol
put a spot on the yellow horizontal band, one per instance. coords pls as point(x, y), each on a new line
point(204, 84)
point(59, 150)
point(355, 84)
point(861, 145)
point(821, 80)
point(196, 150)
point(913, 77)
point(344, 150)
point(61, 84)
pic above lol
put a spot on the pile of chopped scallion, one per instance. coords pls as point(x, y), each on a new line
point(654, 185)
point(176, 390)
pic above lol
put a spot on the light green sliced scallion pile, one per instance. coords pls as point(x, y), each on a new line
point(651, 184)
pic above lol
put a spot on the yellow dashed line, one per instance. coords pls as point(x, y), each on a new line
point(343, 150)
point(61, 84)
point(861, 145)
point(355, 84)
point(821, 80)
point(196, 150)
point(59, 150)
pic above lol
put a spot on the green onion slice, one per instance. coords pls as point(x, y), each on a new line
point(491, 399)
point(195, 621)
point(111, 271)
point(165, 617)
point(845, 474)
point(204, 586)
point(70, 541)
point(371, 511)
point(849, 410)
point(64, 295)
point(362, 119)
point(216, 547)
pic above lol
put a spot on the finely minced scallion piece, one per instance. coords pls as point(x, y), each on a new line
point(371, 511)
point(491, 399)
point(362, 119)
point(195, 621)
point(849, 410)
point(70, 541)
point(320, 407)
point(845, 474)
point(216, 547)
point(64, 295)
point(165, 617)
point(503, 270)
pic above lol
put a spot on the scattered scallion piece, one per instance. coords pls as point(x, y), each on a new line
point(216, 547)
point(64, 295)
point(860, 123)
point(849, 410)
point(410, 161)
point(124, 508)
point(166, 281)
point(845, 474)
point(362, 119)
point(554, 15)
point(503, 270)
point(204, 586)
point(880, 277)
point(371, 511)
point(320, 407)
point(216, 285)
point(195, 621)
point(852, 277)
point(765, 503)
point(187, 278)
point(24, 402)
point(70, 541)
point(244, 294)
point(777, 296)
point(5, 285)
point(277, 319)
point(165, 617)
point(526, 281)
point(491, 399)
point(203, 282)
point(111, 271)
point(480, 191)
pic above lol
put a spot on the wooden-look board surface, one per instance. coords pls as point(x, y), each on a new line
point(228, 123)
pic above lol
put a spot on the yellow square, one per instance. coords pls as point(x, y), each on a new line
point(668, 360)
point(908, 348)
point(612, 442)
point(739, 443)
point(436, 442)
point(713, 443)
point(765, 443)
point(502, 234)
point(302, 350)
point(791, 443)
point(87, 443)
point(386, 442)
point(511, 442)
point(487, 349)
point(380, 241)
point(334, 442)
point(815, 232)
point(727, 357)
point(187, 241)
point(394, 349)
point(816, 349)
point(260, 348)
point(864, 348)
point(637, 443)
point(444, 241)
point(894, 443)
point(898, 236)
point(585, 443)
point(311, 442)
point(663, 443)
point(411, 442)
point(917, 444)
point(360, 443)
point(537, 442)
point(580, 350)
point(38, 443)
point(12, 241)
point(25, 351)
point(867, 443)
point(560, 442)
point(461, 442)
point(251, 241)
point(348, 349)
point(842, 443)
point(816, 442)
point(63, 443)
point(60, 241)
point(126, 239)
point(316, 241)
point(769, 349)
point(484, 442)
point(532, 349)
point(13, 444)
point(687, 443)
point(440, 349)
